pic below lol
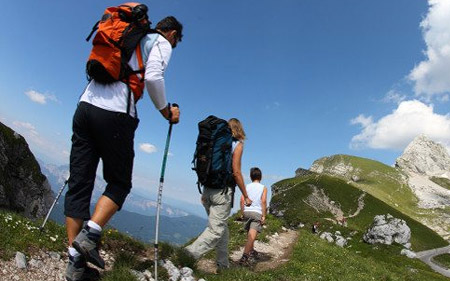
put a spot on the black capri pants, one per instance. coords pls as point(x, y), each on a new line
point(99, 134)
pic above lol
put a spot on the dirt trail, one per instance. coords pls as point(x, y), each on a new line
point(272, 254)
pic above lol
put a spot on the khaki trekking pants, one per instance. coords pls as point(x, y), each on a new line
point(218, 207)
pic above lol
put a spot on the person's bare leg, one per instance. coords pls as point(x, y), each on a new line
point(104, 210)
point(73, 227)
point(251, 237)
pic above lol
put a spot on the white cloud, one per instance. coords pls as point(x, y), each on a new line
point(39, 97)
point(431, 76)
point(26, 127)
point(363, 120)
point(147, 147)
point(394, 131)
point(53, 149)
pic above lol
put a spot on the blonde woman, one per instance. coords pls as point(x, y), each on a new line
point(217, 203)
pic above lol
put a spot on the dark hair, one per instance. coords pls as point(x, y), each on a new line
point(171, 23)
point(255, 174)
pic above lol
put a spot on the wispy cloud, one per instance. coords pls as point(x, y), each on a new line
point(26, 127)
point(273, 105)
point(395, 130)
point(147, 148)
point(394, 96)
point(40, 98)
point(431, 76)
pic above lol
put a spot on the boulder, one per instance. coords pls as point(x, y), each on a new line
point(386, 229)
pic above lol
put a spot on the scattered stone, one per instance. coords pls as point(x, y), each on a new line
point(36, 263)
point(139, 275)
point(186, 272)
point(148, 274)
point(355, 178)
point(327, 236)
point(54, 255)
point(21, 261)
point(341, 241)
point(173, 272)
point(410, 254)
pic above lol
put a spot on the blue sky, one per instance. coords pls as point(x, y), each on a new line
point(307, 79)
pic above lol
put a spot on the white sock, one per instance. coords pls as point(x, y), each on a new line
point(73, 252)
point(94, 225)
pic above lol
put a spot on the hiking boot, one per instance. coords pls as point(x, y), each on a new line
point(86, 243)
point(220, 268)
point(245, 260)
point(77, 270)
point(254, 255)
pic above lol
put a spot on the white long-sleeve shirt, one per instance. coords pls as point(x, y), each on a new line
point(114, 96)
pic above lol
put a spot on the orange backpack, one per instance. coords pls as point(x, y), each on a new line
point(118, 35)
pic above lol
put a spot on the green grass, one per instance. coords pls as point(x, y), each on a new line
point(20, 234)
point(444, 182)
point(443, 260)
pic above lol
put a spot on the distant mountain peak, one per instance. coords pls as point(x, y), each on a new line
point(426, 157)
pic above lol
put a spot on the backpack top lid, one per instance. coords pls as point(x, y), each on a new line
point(138, 11)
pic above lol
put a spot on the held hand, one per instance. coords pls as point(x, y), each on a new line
point(263, 220)
point(174, 114)
point(248, 202)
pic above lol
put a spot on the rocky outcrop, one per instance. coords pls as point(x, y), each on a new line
point(336, 165)
point(386, 229)
point(23, 188)
point(425, 157)
point(300, 172)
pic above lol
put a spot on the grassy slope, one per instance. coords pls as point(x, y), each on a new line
point(385, 183)
point(347, 196)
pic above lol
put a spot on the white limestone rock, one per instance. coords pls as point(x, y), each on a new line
point(425, 157)
point(410, 254)
point(386, 229)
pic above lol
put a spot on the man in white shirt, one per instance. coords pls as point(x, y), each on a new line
point(103, 128)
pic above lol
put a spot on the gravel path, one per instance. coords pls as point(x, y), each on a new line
point(273, 254)
point(427, 256)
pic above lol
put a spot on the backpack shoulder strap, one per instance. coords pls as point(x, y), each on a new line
point(140, 61)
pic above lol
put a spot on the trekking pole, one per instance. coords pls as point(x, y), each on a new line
point(53, 205)
point(161, 182)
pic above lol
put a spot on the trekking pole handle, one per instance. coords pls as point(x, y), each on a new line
point(170, 112)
